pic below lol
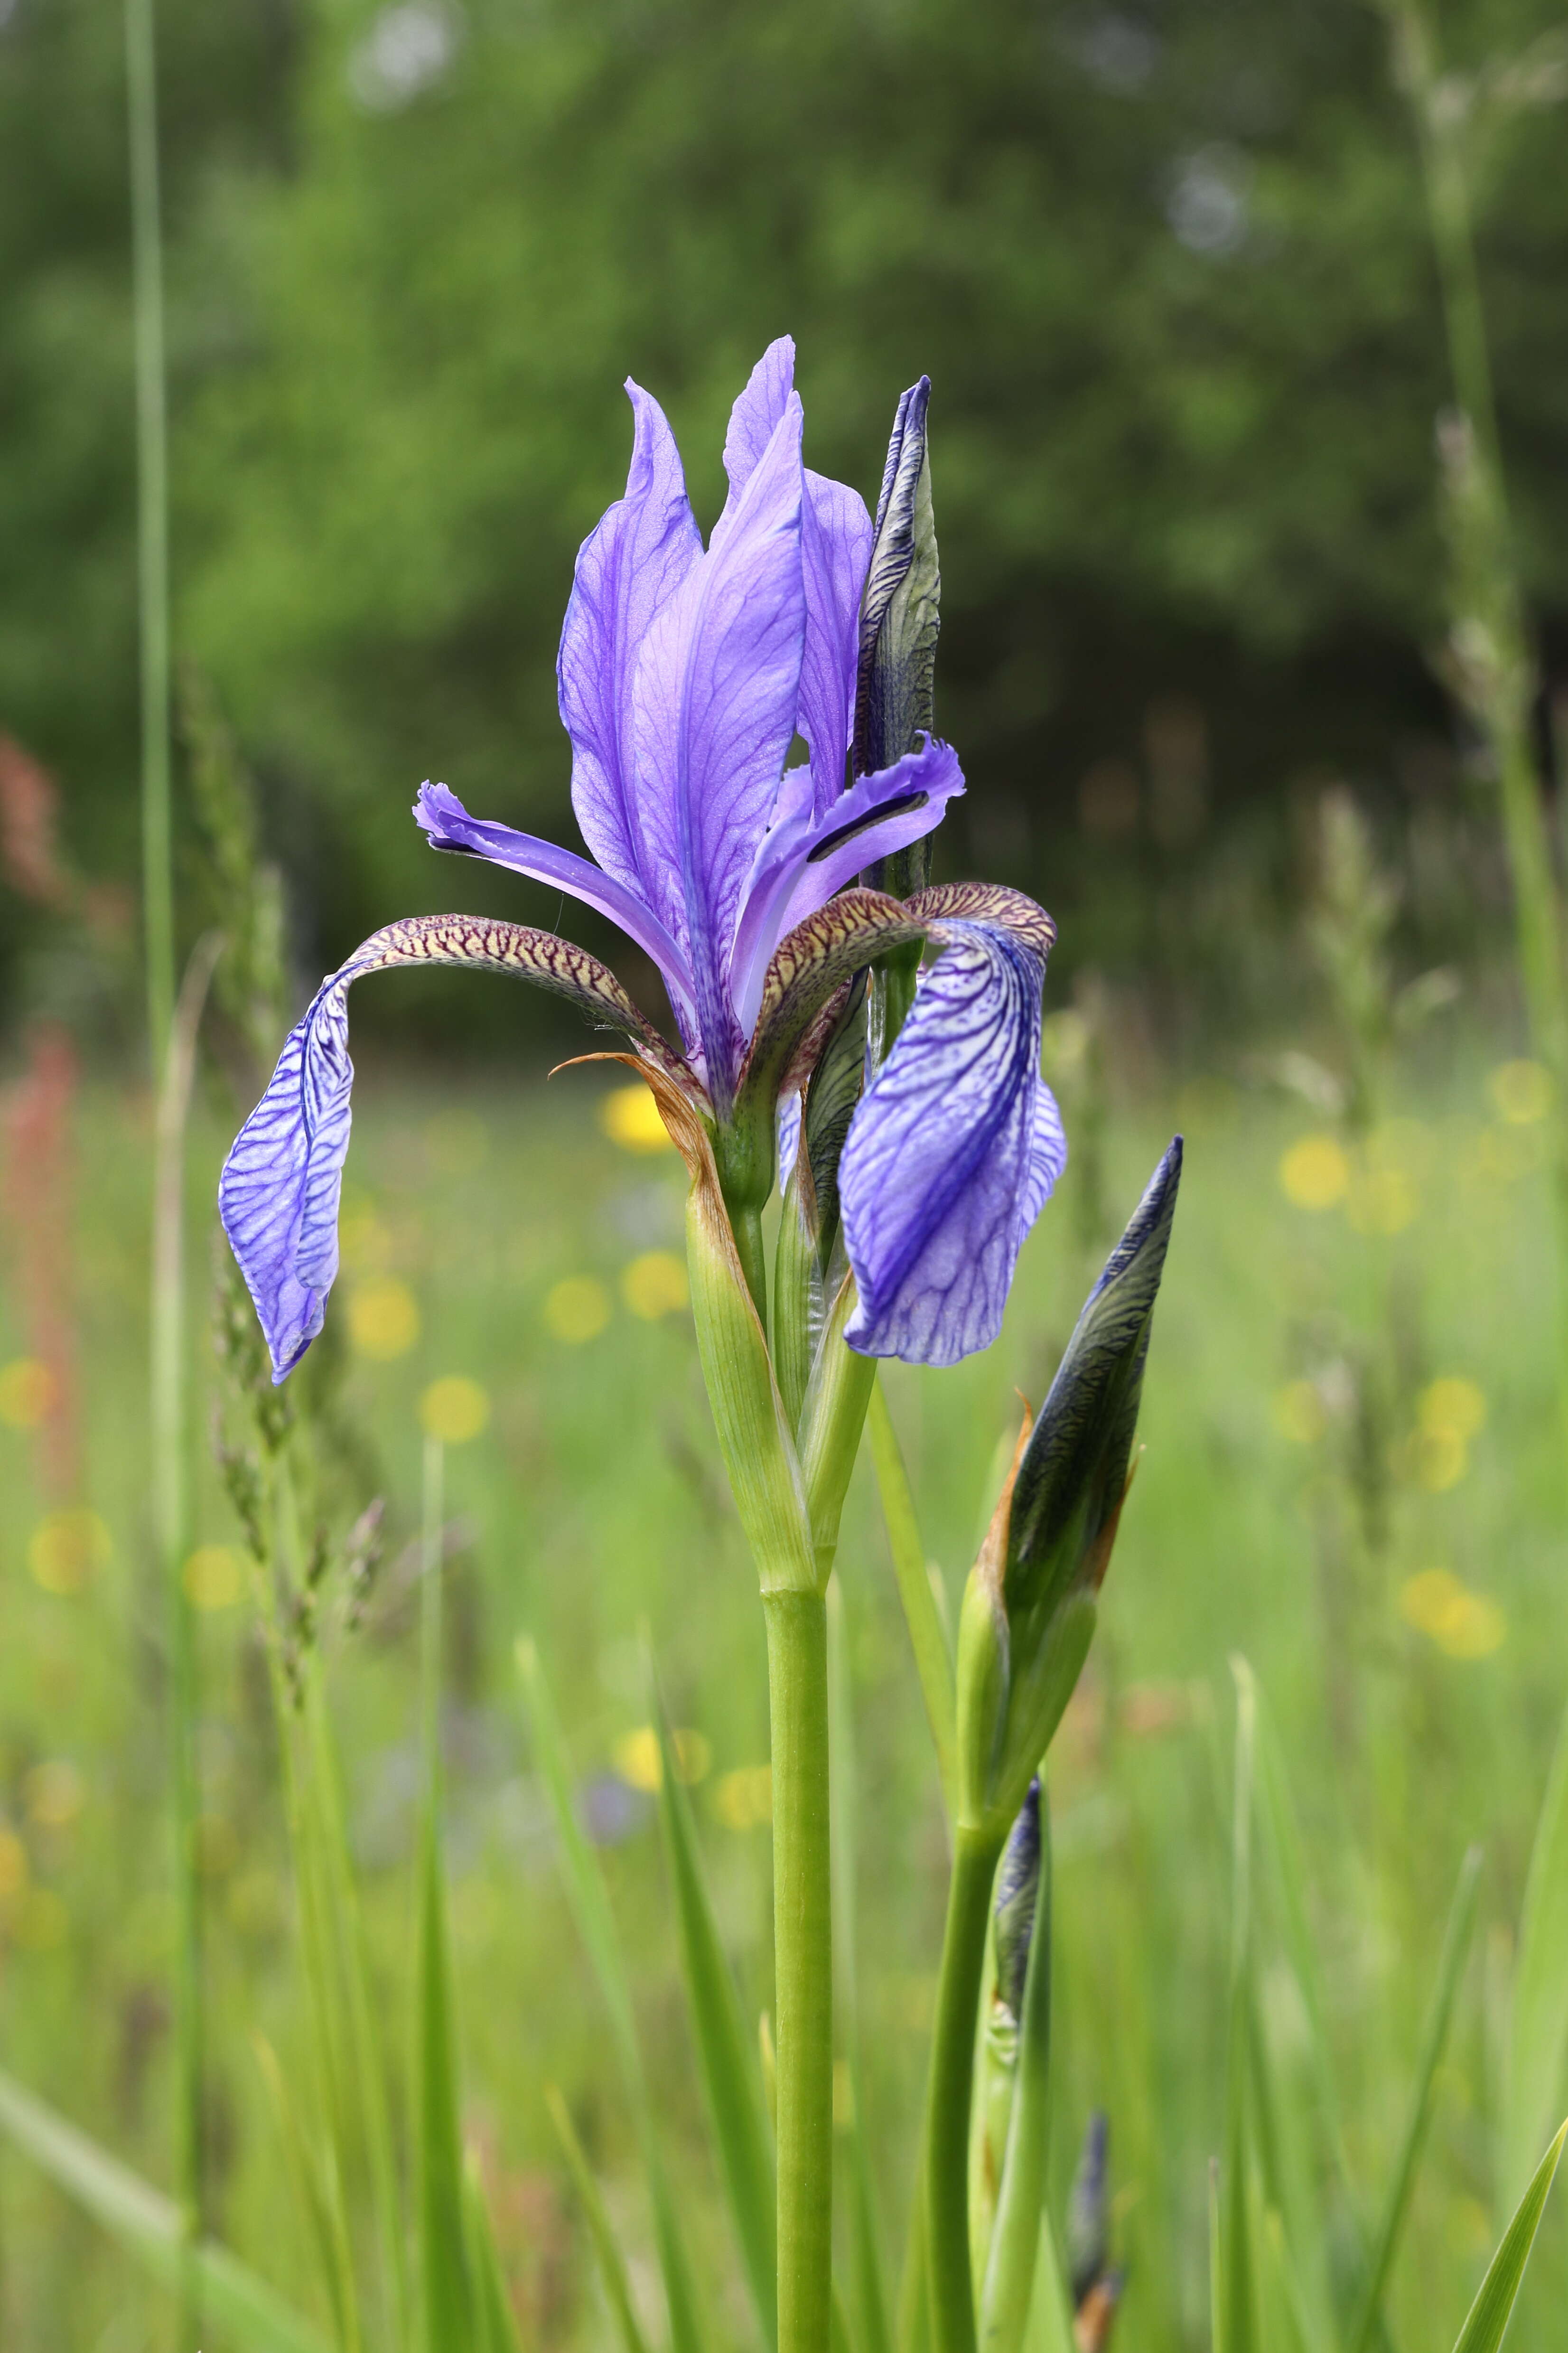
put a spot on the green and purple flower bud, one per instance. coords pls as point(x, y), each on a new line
point(1030, 1606)
point(1017, 1900)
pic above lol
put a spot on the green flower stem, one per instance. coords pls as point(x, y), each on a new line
point(975, 1857)
point(803, 1934)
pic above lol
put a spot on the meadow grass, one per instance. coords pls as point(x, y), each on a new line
point(1304, 1484)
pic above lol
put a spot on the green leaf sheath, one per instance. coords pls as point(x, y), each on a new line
point(1490, 2315)
point(1016, 2237)
point(803, 1942)
point(951, 2085)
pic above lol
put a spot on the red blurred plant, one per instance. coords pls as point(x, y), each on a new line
point(39, 1193)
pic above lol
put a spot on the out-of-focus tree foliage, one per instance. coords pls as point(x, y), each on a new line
point(1165, 262)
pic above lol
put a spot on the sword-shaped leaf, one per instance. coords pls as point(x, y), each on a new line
point(590, 1903)
point(607, 2246)
point(726, 2050)
point(1538, 2035)
point(1493, 2307)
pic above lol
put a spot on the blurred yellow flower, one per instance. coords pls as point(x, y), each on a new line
point(1466, 1625)
point(454, 1409)
point(1299, 1412)
point(655, 1285)
point(1433, 1458)
point(65, 1548)
point(743, 1799)
point(1452, 1404)
point(383, 1319)
point(26, 1393)
point(54, 1793)
point(630, 1117)
point(1382, 1201)
point(637, 1760)
point(214, 1578)
point(12, 1865)
point(1521, 1091)
point(1315, 1172)
point(577, 1309)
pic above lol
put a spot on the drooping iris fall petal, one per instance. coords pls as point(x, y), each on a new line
point(951, 1154)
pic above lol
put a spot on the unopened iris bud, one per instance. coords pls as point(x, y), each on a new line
point(899, 619)
point(1018, 1899)
point(1030, 1605)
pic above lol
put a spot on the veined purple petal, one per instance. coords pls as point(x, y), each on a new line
point(280, 1184)
point(1048, 1158)
point(450, 827)
point(835, 548)
point(626, 568)
point(715, 702)
point(949, 1156)
point(809, 853)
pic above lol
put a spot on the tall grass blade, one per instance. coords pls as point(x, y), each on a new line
point(1020, 2205)
point(1238, 2308)
point(150, 2228)
point(1538, 2028)
point(1493, 2307)
point(725, 2049)
point(497, 2328)
point(1490, 2315)
point(868, 2283)
point(319, 2188)
point(590, 1904)
point(447, 2310)
point(1050, 2326)
point(928, 1635)
point(607, 2246)
point(1435, 2035)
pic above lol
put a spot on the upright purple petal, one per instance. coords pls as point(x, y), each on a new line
point(715, 704)
point(626, 568)
point(450, 827)
point(808, 853)
point(949, 1154)
point(835, 548)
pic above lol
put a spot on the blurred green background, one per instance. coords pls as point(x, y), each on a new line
point(1169, 269)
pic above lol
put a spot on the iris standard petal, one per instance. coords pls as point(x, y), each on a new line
point(807, 854)
point(450, 827)
point(836, 547)
point(281, 1185)
point(942, 1159)
point(626, 568)
point(715, 704)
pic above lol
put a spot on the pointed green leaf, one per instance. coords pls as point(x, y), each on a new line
point(612, 2264)
point(928, 1635)
point(1050, 2326)
point(1538, 2035)
point(590, 1903)
point(1450, 1967)
point(725, 2051)
point(1490, 2315)
point(148, 2225)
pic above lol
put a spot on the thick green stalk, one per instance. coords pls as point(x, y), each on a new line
point(976, 1856)
point(802, 1935)
point(151, 518)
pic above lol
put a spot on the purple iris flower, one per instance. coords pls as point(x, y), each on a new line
point(685, 675)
